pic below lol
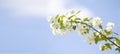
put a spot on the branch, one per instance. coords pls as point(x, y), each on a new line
point(101, 34)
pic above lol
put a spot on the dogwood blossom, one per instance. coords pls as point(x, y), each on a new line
point(96, 21)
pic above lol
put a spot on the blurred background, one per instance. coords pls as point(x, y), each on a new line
point(24, 28)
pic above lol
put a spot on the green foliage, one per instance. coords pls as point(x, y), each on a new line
point(105, 47)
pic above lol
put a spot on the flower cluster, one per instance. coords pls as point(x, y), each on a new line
point(54, 26)
point(62, 23)
point(69, 22)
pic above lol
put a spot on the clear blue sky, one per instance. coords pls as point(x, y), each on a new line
point(25, 30)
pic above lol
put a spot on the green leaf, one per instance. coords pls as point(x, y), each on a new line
point(102, 48)
point(87, 30)
point(107, 33)
point(108, 45)
point(61, 24)
point(85, 19)
point(117, 41)
point(78, 12)
point(118, 49)
point(74, 27)
point(57, 16)
point(96, 39)
point(95, 33)
point(70, 17)
point(77, 19)
point(62, 16)
point(59, 20)
point(62, 27)
point(105, 47)
point(100, 26)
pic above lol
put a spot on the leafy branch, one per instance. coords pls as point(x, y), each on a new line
point(71, 21)
point(102, 35)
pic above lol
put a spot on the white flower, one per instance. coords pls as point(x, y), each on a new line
point(109, 26)
point(53, 25)
point(96, 21)
point(55, 32)
point(58, 31)
point(108, 29)
point(81, 29)
point(61, 32)
point(69, 29)
point(90, 38)
point(49, 19)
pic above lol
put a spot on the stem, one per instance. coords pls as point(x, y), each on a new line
point(101, 34)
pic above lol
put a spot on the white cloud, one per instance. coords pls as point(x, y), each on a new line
point(39, 7)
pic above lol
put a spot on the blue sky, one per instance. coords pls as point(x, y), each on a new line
point(25, 30)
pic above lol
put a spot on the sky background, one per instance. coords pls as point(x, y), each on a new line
point(24, 28)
